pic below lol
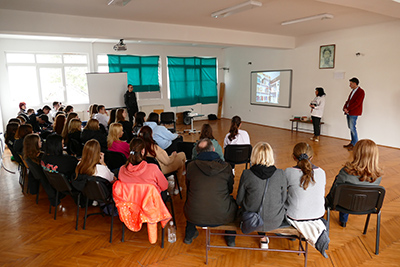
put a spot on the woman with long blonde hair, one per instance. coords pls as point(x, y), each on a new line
point(362, 170)
point(306, 186)
point(113, 140)
point(70, 116)
point(252, 187)
point(92, 162)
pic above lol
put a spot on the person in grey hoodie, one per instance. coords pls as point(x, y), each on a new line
point(252, 187)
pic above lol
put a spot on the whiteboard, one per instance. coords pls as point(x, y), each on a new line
point(107, 89)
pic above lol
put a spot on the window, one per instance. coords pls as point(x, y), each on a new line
point(43, 78)
point(192, 80)
point(143, 72)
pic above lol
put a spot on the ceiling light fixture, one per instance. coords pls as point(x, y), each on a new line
point(320, 16)
point(117, 2)
point(236, 9)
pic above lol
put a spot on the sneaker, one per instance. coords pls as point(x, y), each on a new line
point(230, 241)
point(171, 178)
point(190, 240)
point(176, 191)
point(316, 139)
point(312, 138)
point(95, 203)
point(264, 244)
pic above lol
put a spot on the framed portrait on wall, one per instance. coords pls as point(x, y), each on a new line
point(327, 56)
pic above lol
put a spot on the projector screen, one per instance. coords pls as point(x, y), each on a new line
point(271, 88)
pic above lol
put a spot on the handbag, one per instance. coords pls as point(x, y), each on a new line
point(251, 221)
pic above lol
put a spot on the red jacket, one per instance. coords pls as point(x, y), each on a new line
point(355, 104)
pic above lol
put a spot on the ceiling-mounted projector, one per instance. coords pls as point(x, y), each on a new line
point(120, 46)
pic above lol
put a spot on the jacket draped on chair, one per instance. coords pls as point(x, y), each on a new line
point(138, 204)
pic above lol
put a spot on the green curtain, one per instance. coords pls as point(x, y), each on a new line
point(192, 80)
point(142, 71)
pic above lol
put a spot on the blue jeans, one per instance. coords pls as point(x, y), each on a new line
point(343, 217)
point(351, 123)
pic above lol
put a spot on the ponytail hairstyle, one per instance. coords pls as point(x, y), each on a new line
point(234, 130)
point(135, 155)
point(146, 134)
point(303, 152)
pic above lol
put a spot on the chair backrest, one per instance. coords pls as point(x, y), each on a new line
point(153, 161)
point(95, 191)
point(16, 156)
point(76, 147)
point(35, 169)
point(58, 181)
point(114, 160)
point(167, 117)
point(358, 199)
point(187, 148)
point(237, 154)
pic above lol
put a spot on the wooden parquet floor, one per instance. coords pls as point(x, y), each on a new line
point(30, 236)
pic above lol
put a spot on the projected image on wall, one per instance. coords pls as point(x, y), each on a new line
point(271, 88)
point(268, 84)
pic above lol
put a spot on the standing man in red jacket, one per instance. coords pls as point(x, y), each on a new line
point(352, 109)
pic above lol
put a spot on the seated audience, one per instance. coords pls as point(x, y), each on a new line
point(113, 140)
point(64, 133)
point(127, 125)
point(207, 132)
point(59, 123)
point(113, 113)
point(22, 108)
point(236, 136)
point(45, 110)
point(168, 164)
point(164, 138)
point(30, 112)
point(362, 170)
point(74, 133)
point(93, 111)
point(22, 118)
point(253, 182)
point(137, 170)
point(139, 121)
point(22, 131)
point(92, 162)
point(102, 116)
point(44, 124)
point(32, 146)
point(55, 160)
point(92, 131)
point(9, 136)
point(305, 200)
point(68, 109)
point(209, 184)
point(53, 112)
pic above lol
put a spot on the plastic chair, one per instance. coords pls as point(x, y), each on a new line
point(359, 200)
point(238, 154)
point(168, 118)
point(61, 184)
point(94, 190)
point(187, 148)
point(155, 161)
point(114, 160)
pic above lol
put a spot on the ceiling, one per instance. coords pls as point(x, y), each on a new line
point(266, 19)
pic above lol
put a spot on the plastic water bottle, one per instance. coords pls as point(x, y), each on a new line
point(171, 232)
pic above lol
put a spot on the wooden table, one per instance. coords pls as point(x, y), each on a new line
point(295, 124)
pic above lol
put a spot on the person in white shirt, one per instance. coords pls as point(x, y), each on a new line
point(236, 136)
point(317, 110)
point(102, 116)
point(53, 112)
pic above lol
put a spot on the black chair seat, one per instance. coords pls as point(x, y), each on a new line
point(114, 160)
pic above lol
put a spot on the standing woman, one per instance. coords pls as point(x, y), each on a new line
point(252, 187)
point(362, 170)
point(317, 110)
point(127, 125)
point(236, 136)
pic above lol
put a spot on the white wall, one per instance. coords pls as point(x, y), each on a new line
point(377, 68)
point(9, 104)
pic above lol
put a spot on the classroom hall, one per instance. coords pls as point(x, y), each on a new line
point(365, 35)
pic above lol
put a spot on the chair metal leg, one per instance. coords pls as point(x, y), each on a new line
point(50, 208)
point(177, 183)
point(84, 221)
point(172, 210)
point(328, 219)
point(77, 211)
point(366, 224)
point(55, 210)
point(162, 236)
point(123, 232)
point(207, 243)
point(378, 230)
point(112, 224)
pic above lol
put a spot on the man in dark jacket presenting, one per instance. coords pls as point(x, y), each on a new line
point(130, 102)
point(209, 182)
